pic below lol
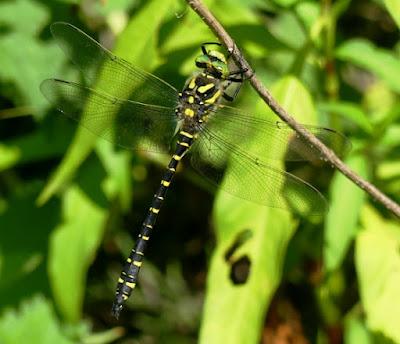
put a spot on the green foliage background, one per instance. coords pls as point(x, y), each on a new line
point(71, 205)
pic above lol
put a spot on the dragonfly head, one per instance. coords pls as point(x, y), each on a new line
point(213, 62)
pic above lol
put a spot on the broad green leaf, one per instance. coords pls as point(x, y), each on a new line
point(349, 112)
point(309, 12)
point(9, 156)
point(30, 19)
point(34, 323)
point(77, 152)
point(379, 102)
point(393, 7)
point(382, 62)
point(73, 245)
point(287, 29)
point(114, 8)
point(45, 143)
point(75, 2)
point(388, 169)
point(241, 4)
point(117, 165)
point(24, 232)
point(105, 337)
point(355, 330)
point(342, 219)
point(135, 44)
point(377, 259)
point(138, 42)
point(286, 3)
point(180, 39)
point(235, 313)
point(391, 137)
point(239, 12)
point(25, 61)
point(189, 31)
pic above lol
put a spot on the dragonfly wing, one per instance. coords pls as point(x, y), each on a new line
point(112, 74)
point(129, 124)
point(234, 125)
point(242, 174)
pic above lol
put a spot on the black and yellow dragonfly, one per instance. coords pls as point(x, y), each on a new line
point(139, 111)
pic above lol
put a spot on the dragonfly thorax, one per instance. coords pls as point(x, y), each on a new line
point(199, 98)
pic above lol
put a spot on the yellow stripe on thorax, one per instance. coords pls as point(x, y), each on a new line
point(205, 88)
point(214, 98)
point(192, 83)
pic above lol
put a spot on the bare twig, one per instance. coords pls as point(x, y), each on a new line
point(326, 153)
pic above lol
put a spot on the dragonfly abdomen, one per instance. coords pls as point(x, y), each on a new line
point(129, 275)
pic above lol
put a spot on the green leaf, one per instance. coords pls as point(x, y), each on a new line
point(114, 11)
point(240, 12)
point(26, 61)
point(286, 3)
point(24, 232)
point(30, 19)
point(136, 44)
point(355, 331)
point(287, 28)
point(349, 112)
point(179, 39)
point(72, 248)
point(393, 6)
point(308, 12)
point(379, 102)
point(378, 270)
point(35, 323)
point(237, 4)
point(341, 222)
point(382, 62)
point(45, 143)
point(227, 304)
point(119, 181)
point(9, 156)
point(77, 152)
point(391, 136)
point(388, 169)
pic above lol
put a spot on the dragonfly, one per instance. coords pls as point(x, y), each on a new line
point(139, 111)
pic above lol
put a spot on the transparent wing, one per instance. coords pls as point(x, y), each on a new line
point(127, 123)
point(234, 125)
point(246, 176)
point(112, 74)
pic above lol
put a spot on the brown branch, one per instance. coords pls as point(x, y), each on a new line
point(326, 153)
